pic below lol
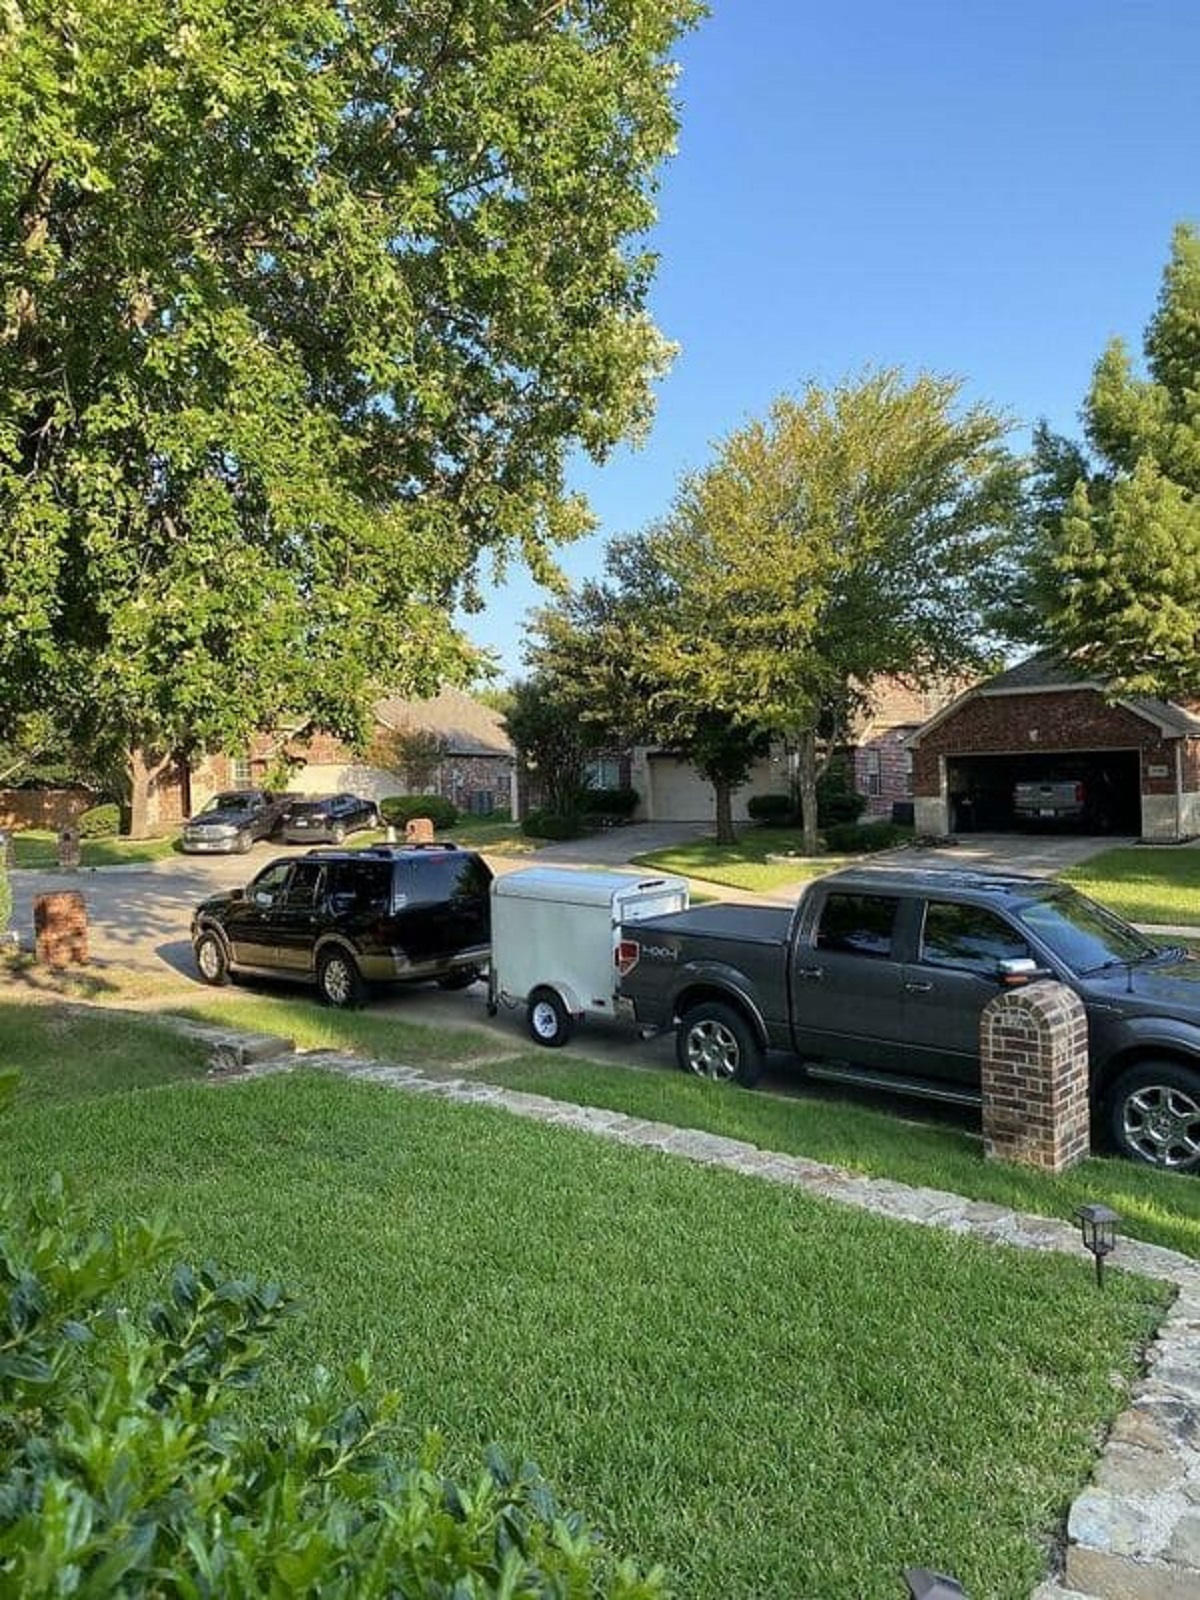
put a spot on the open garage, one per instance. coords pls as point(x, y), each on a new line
point(1106, 786)
point(1109, 763)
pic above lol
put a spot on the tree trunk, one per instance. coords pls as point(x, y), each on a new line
point(145, 769)
point(724, 793)
point(806, 778)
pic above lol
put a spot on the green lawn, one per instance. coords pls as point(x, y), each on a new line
point(38, 847)
point(771, 1395)
point(313, 1026)
point(1162, 1208)
point(62, 1056)
point(1145, 883)
point(745, 865)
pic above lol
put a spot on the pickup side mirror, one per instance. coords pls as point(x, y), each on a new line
point(1020, 970)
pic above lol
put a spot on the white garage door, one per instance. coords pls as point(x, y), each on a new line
point(679, 794)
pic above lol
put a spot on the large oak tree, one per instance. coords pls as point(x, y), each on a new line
point(302, 305)
point(858, 531)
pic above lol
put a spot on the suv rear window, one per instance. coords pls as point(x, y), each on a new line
point(435, 877)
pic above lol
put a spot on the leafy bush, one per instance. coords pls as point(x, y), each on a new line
point(620, 803)
point(123, 1468)
point(550, 825)
point(100, 822)
point(398, 809)
point(851, 838)
point(837, 799)
point(772, 810)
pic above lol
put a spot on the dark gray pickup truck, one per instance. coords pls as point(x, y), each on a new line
point(878, 976)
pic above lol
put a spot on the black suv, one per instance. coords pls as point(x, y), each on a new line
point(233, 820)
point(327, 817)
point(342, 919)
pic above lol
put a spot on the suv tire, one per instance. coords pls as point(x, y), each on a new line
point(715, 1041)
point(550, 1023)
point(337, 833)
point(211, 960)
point(339, 980)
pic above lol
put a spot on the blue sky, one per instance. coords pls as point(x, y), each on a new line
point(978, 188)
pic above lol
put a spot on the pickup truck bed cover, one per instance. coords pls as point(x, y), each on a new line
point(755, 924)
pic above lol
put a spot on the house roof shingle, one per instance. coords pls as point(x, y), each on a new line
point(467, 727)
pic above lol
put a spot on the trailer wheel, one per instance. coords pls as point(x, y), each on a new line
point(550, 1023)
point(715, 1041)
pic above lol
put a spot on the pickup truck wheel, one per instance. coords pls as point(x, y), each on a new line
point(245, 842)
point(211, 960)
point(1154, 1115)
point(715, 1041)
point(339, 980)
point(550, 1022)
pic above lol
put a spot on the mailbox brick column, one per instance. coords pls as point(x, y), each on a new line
point(61, 929)
point(1034, 1060)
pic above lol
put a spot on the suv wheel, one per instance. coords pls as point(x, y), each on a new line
point(337, 833)
point(1154, 1115)
point(715, 1041)
point(339, 980)
point(550, 1023)
point(211, 960)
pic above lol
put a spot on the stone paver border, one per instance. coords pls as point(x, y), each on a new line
point(1134, 1532)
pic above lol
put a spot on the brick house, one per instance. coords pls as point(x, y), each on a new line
point(878, 745)
point(1043, 720)
point(475, 768)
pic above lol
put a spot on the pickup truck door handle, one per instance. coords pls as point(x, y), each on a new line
point(810, 974)
point(917, 988)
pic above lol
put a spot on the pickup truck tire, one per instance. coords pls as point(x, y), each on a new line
point(715, 1041)
point(1154, 1115)
point(549, 1021)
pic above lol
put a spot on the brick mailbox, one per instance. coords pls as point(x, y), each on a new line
point(69, 848)
point(60, 929)
point(1034, 1050)
point(419, 830)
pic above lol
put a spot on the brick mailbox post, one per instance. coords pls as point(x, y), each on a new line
point(1034, 1056)
point(61, 929)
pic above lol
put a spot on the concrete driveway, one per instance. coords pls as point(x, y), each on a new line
point(1042, 854)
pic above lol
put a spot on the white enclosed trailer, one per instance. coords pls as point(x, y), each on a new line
point(555, 933)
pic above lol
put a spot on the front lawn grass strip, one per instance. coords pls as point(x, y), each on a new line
point(771, 1395)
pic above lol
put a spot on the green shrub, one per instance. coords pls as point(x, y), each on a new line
point(124, 1469)
point(772, 810)
point(398, 809)
point(100, 822)
point(621, 803)
point(837, 798)
point(549, 825)
point(852, 838)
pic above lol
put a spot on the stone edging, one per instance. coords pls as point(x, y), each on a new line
point(1134, 1532)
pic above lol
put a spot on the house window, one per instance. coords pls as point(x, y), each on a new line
point(874, 772)
point(241, 774)
point(604, 772)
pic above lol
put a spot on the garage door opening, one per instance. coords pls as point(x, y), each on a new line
point(982, 790)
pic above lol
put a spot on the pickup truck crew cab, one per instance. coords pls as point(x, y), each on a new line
point(878, 977)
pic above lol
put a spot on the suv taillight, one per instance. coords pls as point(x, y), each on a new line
point(626, 956)
point(1078, 794)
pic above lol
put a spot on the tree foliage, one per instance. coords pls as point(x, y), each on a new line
point(546, 722)
point(857, 531)
point(1127, 551)
point(302, 306)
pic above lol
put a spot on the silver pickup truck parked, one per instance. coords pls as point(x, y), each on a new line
point(877, 977)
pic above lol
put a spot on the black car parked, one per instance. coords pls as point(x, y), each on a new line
point(342, 919)
point(233, 820)
point(327, 818)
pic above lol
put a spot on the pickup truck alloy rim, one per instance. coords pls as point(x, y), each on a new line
point(712, 1050)
point(1162, 1124)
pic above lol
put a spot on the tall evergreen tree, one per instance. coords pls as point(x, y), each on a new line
point(1128, 548)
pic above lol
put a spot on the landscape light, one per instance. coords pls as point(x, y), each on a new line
point(1098, 1228)
point(926, 1585)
